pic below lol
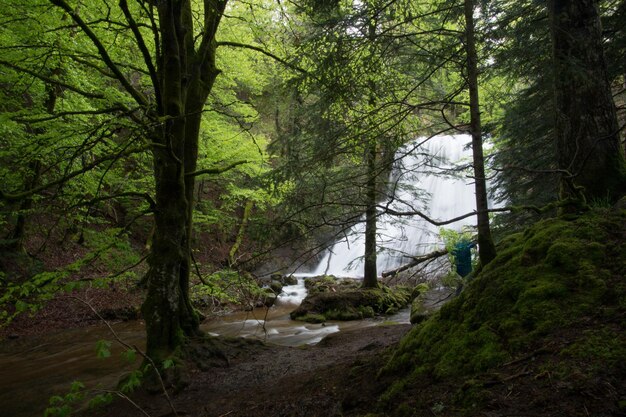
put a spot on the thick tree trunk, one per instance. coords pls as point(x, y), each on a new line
point(370, 277)
point(204, 73)
point(186, 76)
point(486, 247)
point(165, 310)
point(587, 136)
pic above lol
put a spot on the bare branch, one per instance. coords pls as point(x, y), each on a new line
point(145, 196)
point(144, 51)
point(52, 80)
point(215, 171)
point(416, 261)
point(67, 177)
point(264, 52)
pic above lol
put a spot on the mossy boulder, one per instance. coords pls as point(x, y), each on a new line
point(329, 283)
point(276, 287)
point(289, 280)
point(557, 274)
point(351, 303)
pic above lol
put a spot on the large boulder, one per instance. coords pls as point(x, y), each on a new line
point(351, 304)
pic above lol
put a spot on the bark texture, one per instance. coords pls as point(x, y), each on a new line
point(370, 276)
point(587, 136)
point(486, 247)
point(186, 74)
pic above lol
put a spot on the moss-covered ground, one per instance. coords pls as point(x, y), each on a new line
point(543, 321)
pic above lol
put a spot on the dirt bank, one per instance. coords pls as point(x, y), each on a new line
point(269, 380)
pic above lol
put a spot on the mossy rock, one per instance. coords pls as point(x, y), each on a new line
point(289, 280)
point(554, 276)
point(352, 304)
point(276, 287)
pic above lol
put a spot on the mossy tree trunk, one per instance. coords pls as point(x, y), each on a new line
point(182, 70)
point(486, 247)
point(186, 75)
point(587, 132)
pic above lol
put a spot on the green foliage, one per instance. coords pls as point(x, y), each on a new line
point(129, 355)
point(226, 286)
point(100, 400)
point(108, 250)
point(103, 349)
point(552, 276)
point(62, 406)
point(131, 381)
point(168, 363)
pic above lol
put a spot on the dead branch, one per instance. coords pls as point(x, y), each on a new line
point(416, 261)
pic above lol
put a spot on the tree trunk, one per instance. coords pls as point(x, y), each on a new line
point(486, 247)
point(165, 310)
point(370, 273)
point(587, 134)
point(19, 231)
point(370, 277)
point(186, 75)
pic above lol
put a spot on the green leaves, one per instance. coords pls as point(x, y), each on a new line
point(103, 349)
point(131, 382)
point(129, 355)
point(62, 406)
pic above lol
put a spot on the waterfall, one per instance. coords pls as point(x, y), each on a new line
point(425, 177)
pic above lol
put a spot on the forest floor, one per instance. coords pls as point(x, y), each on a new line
point(336, 377)
point(340, 376)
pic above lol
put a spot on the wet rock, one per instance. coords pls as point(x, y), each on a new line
point(329, 283)
point(267, 299)
point(276, 287)
point(289, 280)
point(276, 277)
point(351, 304)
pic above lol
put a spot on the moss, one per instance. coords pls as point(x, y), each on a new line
point(312, 318)
point(551, 276)
point(604, 346)
point(346, 314)
point(353, 304)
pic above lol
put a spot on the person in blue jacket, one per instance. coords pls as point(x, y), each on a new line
point(462, 253)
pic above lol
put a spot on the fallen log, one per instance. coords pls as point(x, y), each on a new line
point(416, 261)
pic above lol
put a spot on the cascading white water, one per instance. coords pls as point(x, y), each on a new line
point(425, 178)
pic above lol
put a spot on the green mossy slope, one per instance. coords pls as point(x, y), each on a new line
point(559, 274)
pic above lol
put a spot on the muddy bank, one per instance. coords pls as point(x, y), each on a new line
point(275, 380)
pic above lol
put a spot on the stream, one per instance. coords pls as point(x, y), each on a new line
point(35, 368)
